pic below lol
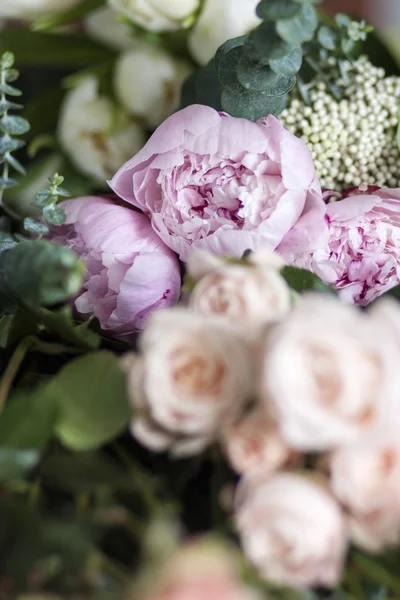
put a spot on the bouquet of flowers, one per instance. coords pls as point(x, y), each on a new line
point(199, 302)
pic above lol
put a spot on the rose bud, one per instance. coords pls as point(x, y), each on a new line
point(129, 271)
point(292, 530)
point(194, 373)
point(148, 82)
point(208, 180)
point(157, 15)
point(96, 134)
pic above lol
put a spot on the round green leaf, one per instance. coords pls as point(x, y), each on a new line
point(264, 44)
point(54, 215)
point(14, 125)
point(252, 105)
point(301, 28)
point(35, 226)
point(208, 87)
point(92, 396)
point(227, 70)
point(273, 10)
point(253, 76)
point(227, 47)
point(290, 64)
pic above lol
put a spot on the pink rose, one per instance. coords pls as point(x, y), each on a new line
point(129, 271)
point(292, 529)
point(208, 180)
point(363, 260)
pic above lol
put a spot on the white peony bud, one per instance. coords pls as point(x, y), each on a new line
point(193, 374)
point(219, 21)
point(366, 478)
point(103, 26)
point(157, 15)
point(34, 9)
point(96, 134)
point(328, 374)
point(292, 530)
point(148, 83)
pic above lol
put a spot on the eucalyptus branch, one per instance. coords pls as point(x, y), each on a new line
point(47, 200)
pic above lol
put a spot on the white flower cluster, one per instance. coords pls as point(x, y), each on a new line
point(275, 382)
point(353, 141)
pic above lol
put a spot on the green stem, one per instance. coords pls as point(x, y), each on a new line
point(12, 369)
point(5, 167)
point(376, 573)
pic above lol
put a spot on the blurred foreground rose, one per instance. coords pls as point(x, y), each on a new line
point(148, 83)
point(212, 181)
point(219, 21)
point(129, 270)
point(292, 530)
point(193, 374)
point(156, 15)
point(97, 135)
point(364, 245)
point(248, 295)
point(329, 374)
point(34, 9)
point(102, 25)
point(201, 570)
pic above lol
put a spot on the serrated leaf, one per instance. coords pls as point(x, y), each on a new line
point(35, 226)
point(301, 28)
point(14, 125)
point(253, 76)
point(14, 163)
point(9, 90)
point(92, 395)
point(227, 70)
point(327, 37)
point(54, 215)
point(290, 64)
point(252, 105)
point(274, 10)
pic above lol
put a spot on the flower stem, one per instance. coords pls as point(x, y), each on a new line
point(12, 369)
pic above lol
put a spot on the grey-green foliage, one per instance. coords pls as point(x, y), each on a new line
point(251, 76)
point(11, 126)
point(47, 200)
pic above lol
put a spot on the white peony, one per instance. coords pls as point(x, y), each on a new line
point(157, 15)
point(219, 21)
point(34, 9)
point(96, 134)
point(148, 83)
point(103, 26)
point(292, 530)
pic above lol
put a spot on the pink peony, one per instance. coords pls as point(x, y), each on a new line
point(364, 245)
point(130, 272)
point(212, 181)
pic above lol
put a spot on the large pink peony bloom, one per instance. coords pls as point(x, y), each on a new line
point(130, 272)
point(364, 245)
point(212, 181)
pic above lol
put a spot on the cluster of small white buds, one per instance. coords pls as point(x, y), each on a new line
point(353, 141)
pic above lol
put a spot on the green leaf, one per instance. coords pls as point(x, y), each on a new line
point(208, 87)
point(94, 407)
point(274, 10)
point(54, 215)
point(35, 226)
point(6, 184)
point(14, 327)
point(252, 105)
point(253, 76)
point(290, 64)
point(61, 323)
point(14, 163)
point(264, 44)
point(343, 20)
point(301, 28)
point(28, 420)
point(227, 71)
point(75, 13)
point(6, 105)
point(15, 462)
point(7, 60)
point(9, 145)
point(7, 241)
point(9, 89)
point(301, 280)
point(348, 46)
point(38, 273)
point(327, 37)
point(44, 198)
point(227, 47)
point(14, 125)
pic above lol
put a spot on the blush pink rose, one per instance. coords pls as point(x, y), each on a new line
point(129, 271)
point(364, 245)
point(208, 180)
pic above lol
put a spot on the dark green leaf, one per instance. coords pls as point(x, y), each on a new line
point(264, 44)
point(61, 323)
point(289, 64)
point(252, 105)
point(299, 29)
point(9, 89)
point(35, 226)
point(327, 37)
point(208, 87)
point(227, 70)
point(7, 241)
point(15, 462)
point(301, 280)
point(91, 392)
point(252, 76)
point(54, 215)
point(14, 125)
point(14, 327)
point(227, 47)
point(7, 144)
point(188, 93)
point(273, 10)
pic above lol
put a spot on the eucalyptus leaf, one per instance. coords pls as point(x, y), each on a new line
point(7, 144)
point(34, 226)
point(6, 105)
point(327, 37)
point(301, 28)
point(92, 395)
point(290, 64)
point(14, 163)
point(7, 241)
point(208, 87)
point(7, 183)
point(228, 46)
point(252, 76)
point(264, 44)
point(227, 70)
point(9, 89)
point(252, 105)
point(273, 10)
point(44, 198)
point(14, 125)
point(54, 215)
